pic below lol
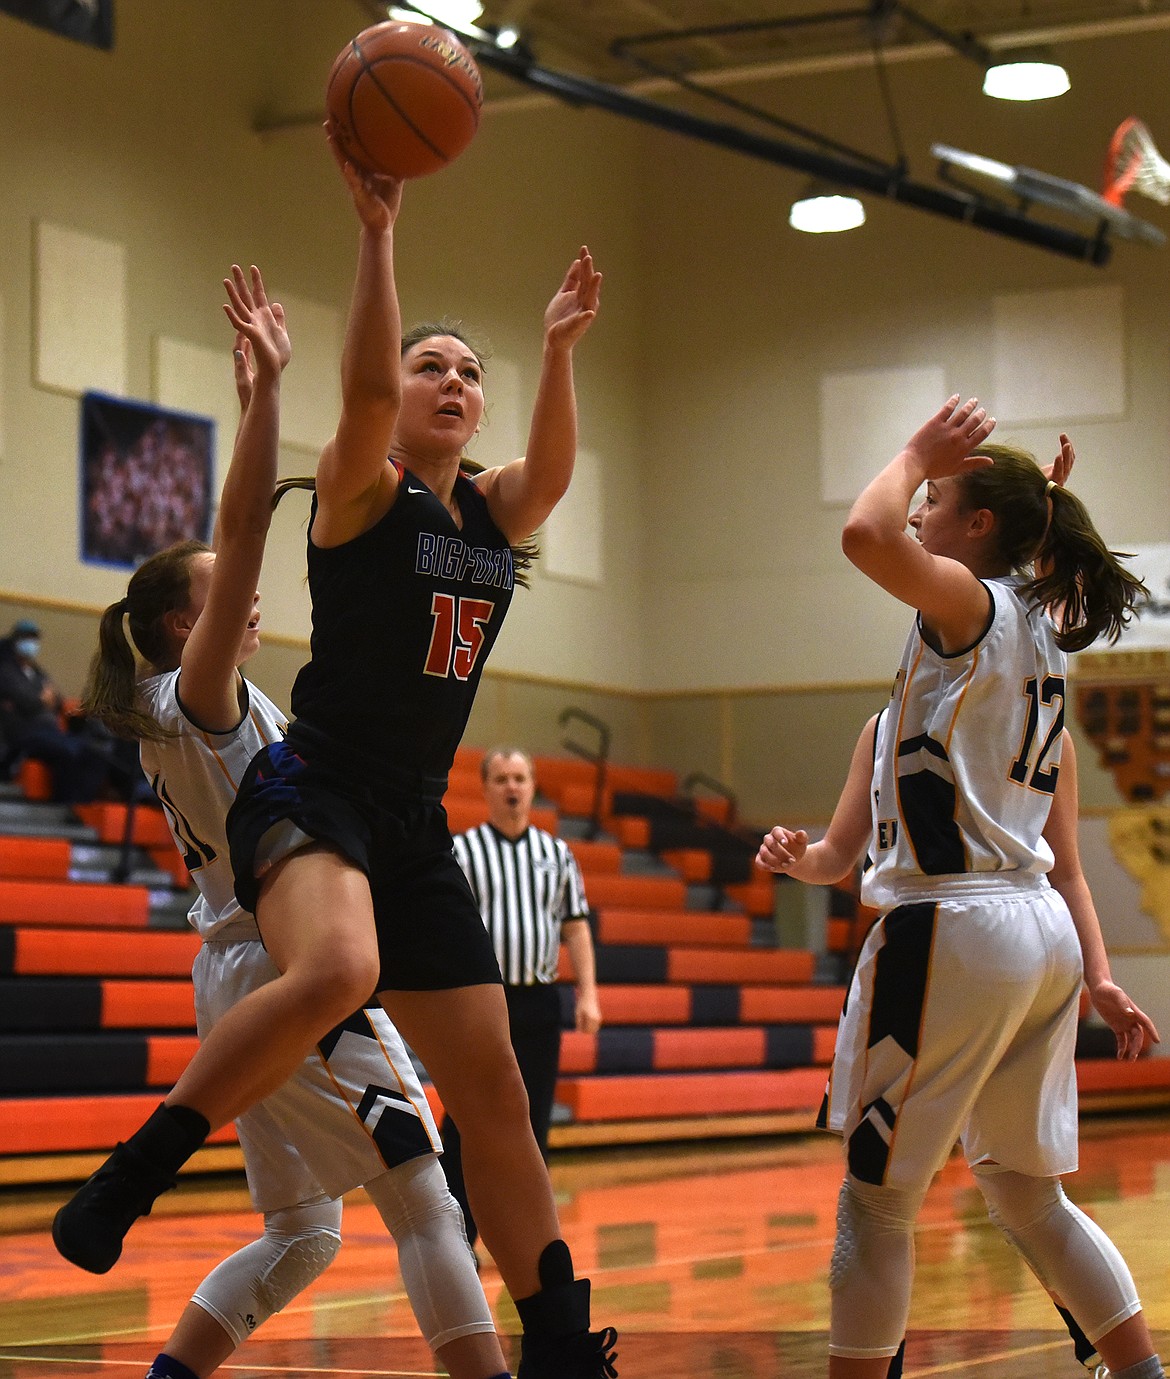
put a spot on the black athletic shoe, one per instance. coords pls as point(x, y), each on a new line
point(90, 1227)
point(586, 1355)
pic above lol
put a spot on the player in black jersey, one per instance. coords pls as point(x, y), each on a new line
point(339, 841)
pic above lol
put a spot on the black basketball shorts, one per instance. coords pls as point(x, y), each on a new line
point(430, 933)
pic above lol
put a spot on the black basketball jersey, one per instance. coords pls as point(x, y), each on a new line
point(404, 617)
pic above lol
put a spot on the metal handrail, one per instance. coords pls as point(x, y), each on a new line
point(716, 787)
point(598, 757)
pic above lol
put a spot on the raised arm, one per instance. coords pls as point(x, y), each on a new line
point(209, 681)
point(521, 495)
point(789, 852)
point(875, 538)
point(355, 481)
point(1132, 1027)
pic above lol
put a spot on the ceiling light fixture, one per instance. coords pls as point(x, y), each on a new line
point(507, 37)
point(459, 14)
point(1025, 75)
point(822, 211)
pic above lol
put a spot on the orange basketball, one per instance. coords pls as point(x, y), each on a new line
point(404, 99)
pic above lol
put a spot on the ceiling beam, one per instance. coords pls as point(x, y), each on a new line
point(891, 182)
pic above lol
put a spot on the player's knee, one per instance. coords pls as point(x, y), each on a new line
point(1016, 1201)
point(868, 1219)
point(298, 1261)
point(247, 1288)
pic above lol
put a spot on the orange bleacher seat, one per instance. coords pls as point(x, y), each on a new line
point(166, 1057)
point(468, 758)
point(39, 1125)
point(158, 1004)
point(709, 1048)
point(594, 857)
point(757, 896)
point(78, 952)
point(656, 927)
point(41, 859)
point(638, 892)
point(692, 864)
point(793, 1005)
point(74, 903)
point(646, 1005)
point(695, 1094)
point(109, 822)
point(739, 967)
point(1111, 1075)
point(35, 780)
point(630, 830)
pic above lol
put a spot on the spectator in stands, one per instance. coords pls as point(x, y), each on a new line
point(34, 722)
point(530, 894)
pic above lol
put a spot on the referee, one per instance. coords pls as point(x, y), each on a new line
point(531, 897)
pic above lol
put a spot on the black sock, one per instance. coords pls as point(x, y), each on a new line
point(169, 1137)
point(167, 1367)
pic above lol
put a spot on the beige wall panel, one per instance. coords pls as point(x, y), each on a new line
point(1060, 355)
point(871, 412)
point(81, 311)
point(310, 393)
point(574, 535)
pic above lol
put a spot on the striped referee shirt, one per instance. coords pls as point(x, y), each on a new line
point(525, 889)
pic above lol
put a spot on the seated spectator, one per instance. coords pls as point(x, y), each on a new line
point(33, 722)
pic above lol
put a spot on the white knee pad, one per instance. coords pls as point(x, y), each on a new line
point(872, 1269)
point(438, 1267)
point(298, 1245)
point(1070, 1255)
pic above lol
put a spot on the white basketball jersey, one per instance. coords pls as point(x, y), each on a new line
point(967, 755)
point(195, 776)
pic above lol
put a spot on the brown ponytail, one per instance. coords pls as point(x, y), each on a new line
point(1046, 528)
point(1080, 577)
point(160, 585)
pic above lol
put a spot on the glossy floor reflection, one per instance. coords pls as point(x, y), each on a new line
point(711, 1260)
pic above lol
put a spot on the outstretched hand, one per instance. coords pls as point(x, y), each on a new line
point(570, 313)
point(1061, 467)
point(782, 848)
point(943, 444)
point(262, 345)
point(377, 198)
point(1132, 1027)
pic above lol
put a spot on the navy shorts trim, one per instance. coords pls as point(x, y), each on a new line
point(430, 933)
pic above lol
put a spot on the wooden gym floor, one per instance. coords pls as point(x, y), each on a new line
point(710, 1259)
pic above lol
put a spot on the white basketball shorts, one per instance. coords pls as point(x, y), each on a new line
point(353, 1109)
point(960, 1025)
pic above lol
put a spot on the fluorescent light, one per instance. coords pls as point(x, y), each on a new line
point(507, 37)
point(821, 213)
point(460, 14)
point(1025, 77)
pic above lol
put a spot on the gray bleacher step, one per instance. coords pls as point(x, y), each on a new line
point(763, 933)
point(22, 819)
point(637, 862)
point(99, 861)
point(578, 826)
point(706, 895)
point(168, 908)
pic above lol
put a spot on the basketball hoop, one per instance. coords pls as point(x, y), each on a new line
point(1134, 164)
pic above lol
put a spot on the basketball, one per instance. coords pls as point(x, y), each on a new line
point(403, 99)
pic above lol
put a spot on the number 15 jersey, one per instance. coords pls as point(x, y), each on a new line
point(967, 755)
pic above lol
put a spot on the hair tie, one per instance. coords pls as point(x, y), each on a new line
point(1049, 486)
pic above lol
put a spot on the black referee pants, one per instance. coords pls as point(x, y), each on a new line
point(534, 1025)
